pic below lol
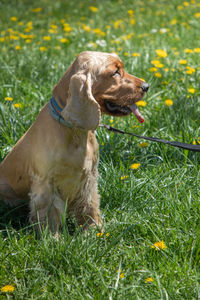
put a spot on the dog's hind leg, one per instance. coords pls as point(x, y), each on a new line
point(7, 193)
point(46, 207)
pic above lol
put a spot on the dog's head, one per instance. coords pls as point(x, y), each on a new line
point(97, 82)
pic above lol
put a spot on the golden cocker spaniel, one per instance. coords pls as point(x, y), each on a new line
point(54, 164)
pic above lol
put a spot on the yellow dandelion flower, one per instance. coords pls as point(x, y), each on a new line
point(157, 64)
point(161, 53)
point(46, 38)
point(197, 50)
point(173, 22)
point(17, 105)
point(127, 37)
point(130, 12)
point(168, 102)
point(18, 47)
point(126, 54)
point(29, 24)
point(86, 28)
point(111, 121)
point(7, 288)
point(53, 26)
point(8, 99)
point(148, 280)
point(118, 23)
point(123, 177)
point(159, 245)
point(158, 75)
point(14, 37)
point(13, 19)
point(197, 15)
point(187, 50)
point(107, 234)
point(93, 9)
point(42, 49)
point(194, 143)
point(57, 47)
point(99, 32)
point(135, 54)
point(132, 21)
point(182, 61)
point(190, 70)
point(38, 9)
point(28, 29)
point(67, 28)
point(191, 90)
point(122, 275)
point(99, 234)
point(141, 103)
point(52, 30)
point(135, 166)
point(63, 40)
point(153, 69)
point(143, 144)
point(180, 7)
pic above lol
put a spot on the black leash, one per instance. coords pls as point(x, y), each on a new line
point(190, 147)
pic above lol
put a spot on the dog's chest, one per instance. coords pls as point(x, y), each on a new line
point(78, 164)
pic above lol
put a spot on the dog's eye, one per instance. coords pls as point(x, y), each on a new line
point(117, 72)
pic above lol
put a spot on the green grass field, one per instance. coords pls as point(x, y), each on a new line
point(149, 192)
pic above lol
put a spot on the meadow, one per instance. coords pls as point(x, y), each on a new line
point(150, 248)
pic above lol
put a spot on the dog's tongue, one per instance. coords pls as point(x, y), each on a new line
point(136, 112)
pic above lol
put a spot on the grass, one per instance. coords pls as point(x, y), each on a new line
point(158, 201)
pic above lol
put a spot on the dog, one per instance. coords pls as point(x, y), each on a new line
point(53, 166)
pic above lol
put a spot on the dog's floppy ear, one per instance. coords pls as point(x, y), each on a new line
point(81, 109)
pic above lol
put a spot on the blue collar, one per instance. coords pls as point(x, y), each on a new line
point(55, 112)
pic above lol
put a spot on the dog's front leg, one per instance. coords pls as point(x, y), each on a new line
point(46, 207)
point(87, 210)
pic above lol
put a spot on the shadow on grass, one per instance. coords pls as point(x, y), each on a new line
point(17, 218)
point(13, 217)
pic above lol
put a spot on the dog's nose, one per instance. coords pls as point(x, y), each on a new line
point(145, 87)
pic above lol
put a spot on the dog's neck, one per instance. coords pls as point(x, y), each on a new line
point(56, 109)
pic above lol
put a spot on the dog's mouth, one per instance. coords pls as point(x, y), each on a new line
point(119, 110)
